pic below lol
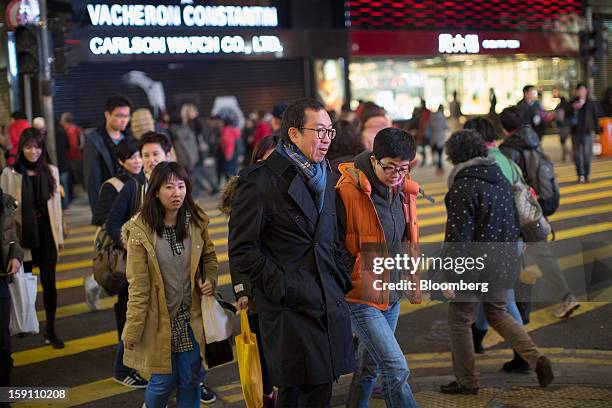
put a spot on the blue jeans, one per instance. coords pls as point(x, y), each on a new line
point(379, 352)
point(185, 378)
point(582, 146)
point(481, 321)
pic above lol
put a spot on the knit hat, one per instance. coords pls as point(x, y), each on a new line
point(142, 122)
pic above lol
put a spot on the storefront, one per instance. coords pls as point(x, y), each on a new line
point(163, 55)
point(438, 55)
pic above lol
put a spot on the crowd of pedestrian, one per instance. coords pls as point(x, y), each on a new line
point(313, 199)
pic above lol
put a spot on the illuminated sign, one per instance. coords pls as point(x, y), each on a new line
point(229, 44)
point(458, 44)
point(140, 15)
point(470, 44)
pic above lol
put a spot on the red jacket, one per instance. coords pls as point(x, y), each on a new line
point(74, 134)
point(262, 130)
point(14, 131)
point(229, 136)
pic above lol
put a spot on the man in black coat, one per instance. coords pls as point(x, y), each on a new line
point(529, 108)
point(283, 235)
point(481, 216)
point(584, 118)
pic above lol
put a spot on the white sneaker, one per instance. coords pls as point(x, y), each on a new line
point(92, 293)
point(567, 307)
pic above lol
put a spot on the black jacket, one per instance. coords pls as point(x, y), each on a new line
point(288, 250)
point(480, 209)
point(126, 205)
point(99, 164)
point(586, 119)
point(107, 197)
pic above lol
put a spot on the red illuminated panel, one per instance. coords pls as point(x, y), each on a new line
point(530, 15)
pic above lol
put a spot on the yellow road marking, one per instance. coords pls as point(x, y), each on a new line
point(565, 189)
point(580, 198)
point(78, 309)
point(565, 172)
point(77, 346)
point(85, 393)
point(558, 216)
point(542, 318)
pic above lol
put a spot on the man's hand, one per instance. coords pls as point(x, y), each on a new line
point(243, 303)
point(13, 266)
point(206, 288)
point(415, 297)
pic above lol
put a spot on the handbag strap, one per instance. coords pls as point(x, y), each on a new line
point(244, 322)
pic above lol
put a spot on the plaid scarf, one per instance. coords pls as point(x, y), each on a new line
point(314, 173)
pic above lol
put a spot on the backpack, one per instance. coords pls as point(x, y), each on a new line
point(109, 260)
point(534, 227)
point(185, 146)
point(540, 174)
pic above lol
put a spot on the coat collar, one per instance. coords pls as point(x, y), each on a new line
point(298, 190)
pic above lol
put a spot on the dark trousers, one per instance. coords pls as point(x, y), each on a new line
point(6, 362)
point(582, 146)
point(45, 257)
point(265, 376)
point(302, 396)
point(120, 370)
point(437, 151)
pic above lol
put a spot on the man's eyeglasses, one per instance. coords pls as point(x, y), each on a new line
point(391, 170)
point(321, 132)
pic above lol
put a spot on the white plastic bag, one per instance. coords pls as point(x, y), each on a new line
point(217, 320)
point(23, 290)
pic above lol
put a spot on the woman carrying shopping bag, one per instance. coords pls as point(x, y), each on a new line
point(34, 182)
point(11, 256)
point(163, 334)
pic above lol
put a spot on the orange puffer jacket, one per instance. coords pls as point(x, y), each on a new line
point(363, 227)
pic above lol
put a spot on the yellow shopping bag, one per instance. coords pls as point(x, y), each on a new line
point(249, 365)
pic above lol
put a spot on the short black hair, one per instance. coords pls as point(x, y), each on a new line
point(19, 115)
point(394, 142)
point(484, 127)
point(154, 137)
point(347, 141)
point(581, 84)
point(527, 88)
point(126, 148)
point(511, 118)
point(116, 101)
point(464, 145)
point(295, 114)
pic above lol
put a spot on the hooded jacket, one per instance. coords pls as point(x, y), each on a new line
point(370, 213)
point(480, 214)
point(524, 138)
point(148, 319)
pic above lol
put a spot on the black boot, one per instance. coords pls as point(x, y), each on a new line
point(477, 336)
point(51, 338)
point(516, 365)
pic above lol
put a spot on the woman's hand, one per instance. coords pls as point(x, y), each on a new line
point(128, 345)
point(243, 303)
point(13, 266)
point(206, 288)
